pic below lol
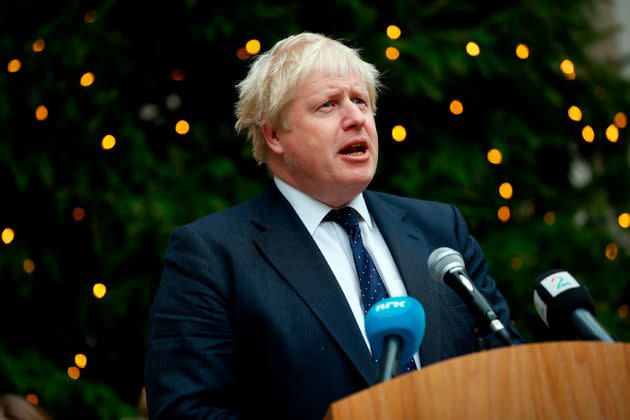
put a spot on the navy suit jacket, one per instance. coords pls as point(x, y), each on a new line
point(249, 320)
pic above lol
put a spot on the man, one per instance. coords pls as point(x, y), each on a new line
point(260, 310)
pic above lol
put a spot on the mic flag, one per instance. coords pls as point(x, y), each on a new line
point(401, 317)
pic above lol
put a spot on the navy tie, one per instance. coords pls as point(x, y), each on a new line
point(372, 287)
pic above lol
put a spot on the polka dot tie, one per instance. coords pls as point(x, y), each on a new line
point(372, 288)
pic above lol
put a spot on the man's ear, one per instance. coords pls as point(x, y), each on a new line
point(271, 138)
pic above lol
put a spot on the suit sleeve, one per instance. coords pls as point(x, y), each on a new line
point(477, 269)
point(189, 366)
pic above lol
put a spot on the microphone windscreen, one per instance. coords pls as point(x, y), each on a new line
point(443, 260)
point(557, 294)
point(400, 316)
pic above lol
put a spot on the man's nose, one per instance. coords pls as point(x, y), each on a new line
point(353, 115)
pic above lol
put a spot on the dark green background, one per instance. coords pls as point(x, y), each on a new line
point(155, 179)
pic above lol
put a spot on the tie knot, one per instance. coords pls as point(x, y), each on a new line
point(346, 217)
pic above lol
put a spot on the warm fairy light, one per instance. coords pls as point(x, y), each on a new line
point(623, 311)
point(575, 113)
point(522, 51)
point(242, 54)
point(504, 213)
point(472, 49)
point(571, 76)
point(549, 218)
point(624, 220)
point(177, 74)
point(392, 53)
point(90, 16)
point(78, 214)
point(611, 251)
point(612, 133)
point(99, 290)
point(399, 133)
point(8, 235)
point(74, 372)
point(494, 156)
point(182, 127)
point(456, 107)
point(588, 134)
point(87, 79)
point(39, 45)
point(620, 120)
point(505, 190)
point(393, 32)
point(14, 66)
point(108, 142)
point(28, 265)
point(252, 47)
point(566, 66)
point(80, 360)
point(516, 263)
point(41, 113)
point(32, 398)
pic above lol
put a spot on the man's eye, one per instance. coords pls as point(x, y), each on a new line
point(359, 101)
point(326, 104)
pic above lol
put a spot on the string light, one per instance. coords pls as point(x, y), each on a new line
point(473, 49)
point(620, 120)
point(8, 235)
point(588, 134)
point(14, 66)
point(566, 66)
point(41, 113)
point(87, 79)
point(78, 214)
point(108, 142)
point(99, 290)
point(549, 218)
point(80, 360)
point(505, 190)
point(575, 113)
point(393, 32)
point(182, 127)
point(399, 133)
point(38, 45)
point(494, 156)
point(32, 398)
point(456, 107)
point(611, 251)
point(392, 53)
point(242, 53)
point(74, 372)
point(522, 51)
point(612, 133)
point(90, 16)
point(252, 47)
point(177, 74)
point(504, 213)
point(28, 265)
point(623, 311)
point(624, 220)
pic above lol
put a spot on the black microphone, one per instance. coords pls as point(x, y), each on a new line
point(446, 264)
point(567, 307)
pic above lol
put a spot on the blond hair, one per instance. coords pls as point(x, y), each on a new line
point(274, 76)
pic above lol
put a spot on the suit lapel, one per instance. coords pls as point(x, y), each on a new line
point(287, 245)
point(410, 252)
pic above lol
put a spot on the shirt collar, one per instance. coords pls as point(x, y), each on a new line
point(311, 211)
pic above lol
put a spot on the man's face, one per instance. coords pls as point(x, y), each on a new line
point(330, 148)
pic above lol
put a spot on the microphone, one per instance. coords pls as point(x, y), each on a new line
point(395, 328)
point(447, 265)
point(566, 305)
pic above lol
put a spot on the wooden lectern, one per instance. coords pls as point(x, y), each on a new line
point(552, 380)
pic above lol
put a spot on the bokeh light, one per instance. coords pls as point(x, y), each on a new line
point(494, 156)
point(612, 133)
point(399, 133)
point(99, 290)
point(456, 107)
point(39, 45)
point(473, 49)
point(624, 220)
point(393, 32)
point(41, 113)
point(505, 190)
point(392, 53)
point(108, 142)
point(575, 113)
point(588, 134)
point(182, 127)
point(8, 235)
point(28, 265)
point(504, 213)
point(611, 251)
point(522, 51)
point(566, 66)
point(80, 360)
point(74, 372)
point(87, 79)
point(252, 47)
point(620, 120)
point(78, 214)
point(14, 66)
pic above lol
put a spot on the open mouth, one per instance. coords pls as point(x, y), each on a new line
point(354, 149)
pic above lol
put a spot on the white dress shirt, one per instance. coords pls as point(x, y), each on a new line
point(333, 242)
